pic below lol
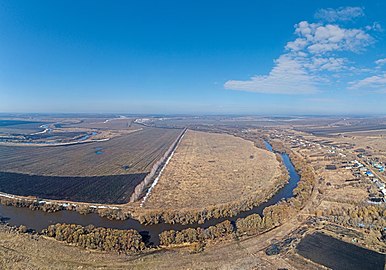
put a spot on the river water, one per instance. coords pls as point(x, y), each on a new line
point(39, 220)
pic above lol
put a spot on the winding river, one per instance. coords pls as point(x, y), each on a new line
point(39, 220)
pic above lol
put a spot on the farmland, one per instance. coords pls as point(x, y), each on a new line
point(112, 189)
point(104, 170)
point(336, 254)
point(102, 123)
point(19, 126)
point(126, 154)
point(209, 169)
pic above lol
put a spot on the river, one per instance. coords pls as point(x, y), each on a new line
point(39, 220)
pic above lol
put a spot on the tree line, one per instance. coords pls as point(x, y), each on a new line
point(365, 216)
point(31, 203)
point(107, 239)
point(192, 235)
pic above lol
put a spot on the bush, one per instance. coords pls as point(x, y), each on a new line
point(190, 235)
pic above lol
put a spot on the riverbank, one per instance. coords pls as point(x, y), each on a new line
point(150, 215)
point(39, 220)
point(153, 215)
point(23, 251)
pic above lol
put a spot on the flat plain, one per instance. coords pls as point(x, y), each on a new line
point(130, 153)
point(209, 169)
point(105, 170)
point(111, 189)
point(216, 168)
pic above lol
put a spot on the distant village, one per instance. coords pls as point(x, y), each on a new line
point(361, 163)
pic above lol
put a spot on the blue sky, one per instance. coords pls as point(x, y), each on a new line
point(195, 57)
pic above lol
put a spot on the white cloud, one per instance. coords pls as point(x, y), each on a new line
point(313, 58)
point(373, 83)
point(340, 14)
point(305, 29)
point(375, 27)
point(380, 62)
point(330, 64)
point(297, 45)
point(317, 38)
point(287, 77)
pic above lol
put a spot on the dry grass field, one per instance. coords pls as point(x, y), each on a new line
point(24, 252)
point(102, 123)
point(340, 190)
point(127, 154)
point(210, 169)
point(373, 141)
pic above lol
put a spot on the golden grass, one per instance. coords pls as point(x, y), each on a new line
point(210, 169)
